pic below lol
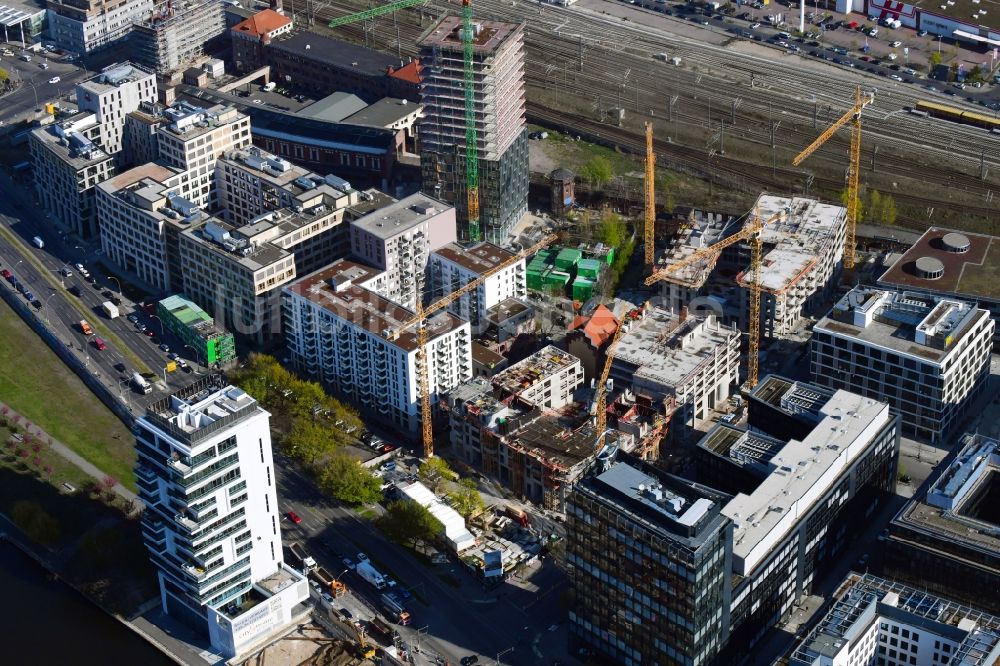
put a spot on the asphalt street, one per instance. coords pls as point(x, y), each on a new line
point(41, 273)
point(35, 89)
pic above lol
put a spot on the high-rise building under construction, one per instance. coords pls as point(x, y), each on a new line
point(498, 80)
point(176, 33)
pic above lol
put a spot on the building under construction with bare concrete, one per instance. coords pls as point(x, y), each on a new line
point(176, 33)
point(501, 135)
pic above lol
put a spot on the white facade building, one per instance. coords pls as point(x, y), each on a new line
point(454, 266)
point(113, 94)
point(879, 622)
point(693, 361)
point(398, 238)
point(339, 329)
point(90, 25)
point(193, 139)
point(546, 379)
point(206, 476)
point(928, 357)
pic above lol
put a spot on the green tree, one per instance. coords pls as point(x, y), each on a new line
point(613, 230)
point(934, 60)
point(436, 471)
point(40, 526)
point(874, 206)
point(860, 210)
point(309, 440)
point(345, 479)
point(597, 171)
point(407, 522)
point(888, 210)
point(466, 498)
point(4, 76)
point(882, 208)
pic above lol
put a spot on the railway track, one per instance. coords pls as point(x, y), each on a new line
point(714, 87)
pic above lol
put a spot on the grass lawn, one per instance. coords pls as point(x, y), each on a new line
point(34, 382)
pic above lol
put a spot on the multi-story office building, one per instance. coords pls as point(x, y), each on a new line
point(794, 514)
point(251, 181)
point(193, 139)
point(880, 622)
point(454, 266)
point(546, 379)
point(111, 95)
point(340, 330)
point(141, 218)
point(398, 239)
point(928, 357)
point(953, 264)
point(689, 361)
point(174, 35)
point(238, 275)
point(947, 538)
point(502, 138)
point(67, 165)
point(207, 480)
point(649, 557)
point(90, 25)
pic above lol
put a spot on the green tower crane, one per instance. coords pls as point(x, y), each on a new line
point(471, 147)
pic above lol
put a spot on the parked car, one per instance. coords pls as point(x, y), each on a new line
point(362, 557)
point(346, 613)
point(6, 274)
point(294, 517)
point(149, 333)
point(164, 348)
point(75, 290)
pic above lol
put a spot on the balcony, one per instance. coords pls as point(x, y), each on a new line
point(196, 572)
point(186, 522)
point(178, 465)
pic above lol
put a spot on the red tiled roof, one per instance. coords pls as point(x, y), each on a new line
point(262, 23)
point(599, 327)
point(409, 72)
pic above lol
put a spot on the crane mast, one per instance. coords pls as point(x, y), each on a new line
point(471, 145)
point(650, 195)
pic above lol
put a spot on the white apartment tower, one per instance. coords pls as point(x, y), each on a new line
point(927, 356)
point(398, 238)
point(83, 26)
point(341, 331)
point(454, 266)
point(206, 476)
point(113, 94)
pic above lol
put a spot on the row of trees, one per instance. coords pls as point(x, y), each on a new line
point(875, 208)
point(310, 426)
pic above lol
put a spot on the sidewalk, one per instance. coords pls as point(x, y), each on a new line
point(70, 455)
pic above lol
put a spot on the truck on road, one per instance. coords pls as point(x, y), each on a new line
point(110, 309)
point(377, 626)
point(140, 383)
point(395, 610)
point(371, 574)
point(323, 577)
point(302, 556)
point(85, 327)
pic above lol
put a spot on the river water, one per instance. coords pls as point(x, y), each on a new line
point(45, 622)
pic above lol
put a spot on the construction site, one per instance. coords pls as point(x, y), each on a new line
point(176, 34)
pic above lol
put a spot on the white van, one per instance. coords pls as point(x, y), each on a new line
point(38, 242)
point(268, 87)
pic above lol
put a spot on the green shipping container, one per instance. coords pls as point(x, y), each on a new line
point(568, 258)
point(555, 279)
point(583, 289)
point(589, 268)
point(533, 279)
point(610, 258)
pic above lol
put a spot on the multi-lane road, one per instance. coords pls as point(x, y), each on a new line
point(34, 87)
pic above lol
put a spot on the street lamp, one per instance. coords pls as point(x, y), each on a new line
point(120, 292)
point(160, 321)
point(502, 653)
point(337, 577)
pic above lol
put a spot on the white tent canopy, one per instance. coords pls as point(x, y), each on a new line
point(459, 538)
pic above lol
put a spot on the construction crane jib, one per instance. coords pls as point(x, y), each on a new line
point(471, 146)
point(373, 13)
point(853, 116)
point(650, 195)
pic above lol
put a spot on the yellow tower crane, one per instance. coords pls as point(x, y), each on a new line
point(751, 232)
point(419, 320)
point(861, 100)
point(650, 195)
point(601, 399)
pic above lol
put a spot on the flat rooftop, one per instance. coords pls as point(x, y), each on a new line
point(188, 121)
point(549, 440)
point(794, 398)
point(804, 471)
point(384, 112)
point(230, 242)
point(485, 356)
point(150, 171)
point(447, 34)
point(662, 349)
point(749, 449)
point(965, 11)
point(279, 580)
point(201, 409)
point(866, 598)
point(536, 368)
point(264, 165)
point(661, 502)
point(969, 264)
point(335, 107)
point(925, 326)
point(67, 141)
point(112, 77)
point(951, 508)
point(336, 53)
point(400, 216)
point(509, 308)
point(336, 289)
point(477, 258)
